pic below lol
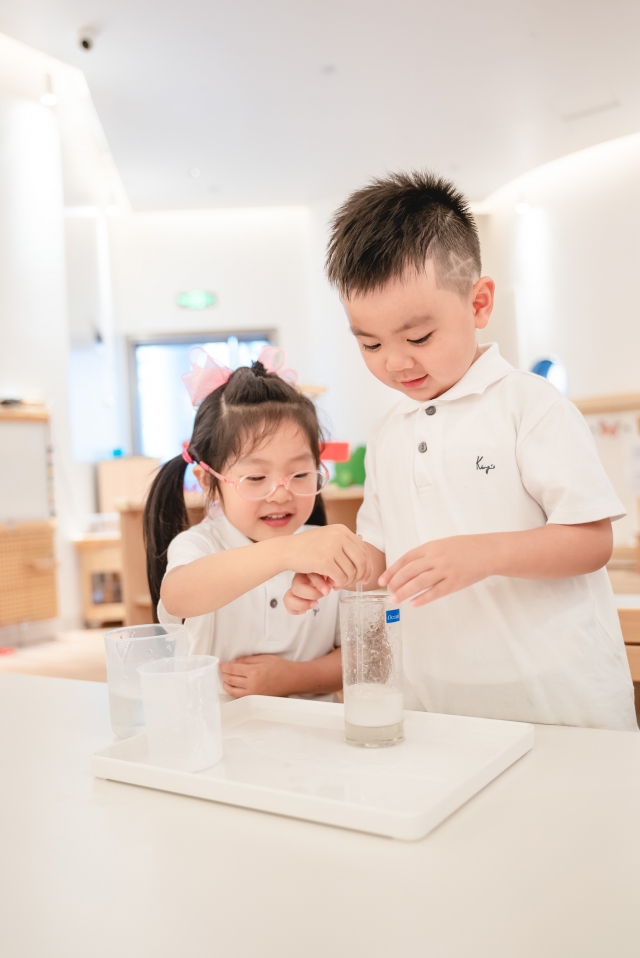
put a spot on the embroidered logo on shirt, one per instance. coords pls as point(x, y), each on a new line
point(480, 465)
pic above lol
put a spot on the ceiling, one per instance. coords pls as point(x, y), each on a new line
point(297, 101)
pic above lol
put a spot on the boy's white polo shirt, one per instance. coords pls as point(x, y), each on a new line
point(257, 622)
point(501, 451)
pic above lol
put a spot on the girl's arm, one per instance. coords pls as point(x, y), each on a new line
point(214, 581)
point(273, 675)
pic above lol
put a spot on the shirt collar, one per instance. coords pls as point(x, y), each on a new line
point(488, 368)
point(231, 536)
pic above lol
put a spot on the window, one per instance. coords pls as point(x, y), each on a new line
point(162, 412)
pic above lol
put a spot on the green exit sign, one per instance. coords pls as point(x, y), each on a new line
point(196, 299)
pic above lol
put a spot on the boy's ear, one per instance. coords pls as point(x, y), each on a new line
point(482, 300)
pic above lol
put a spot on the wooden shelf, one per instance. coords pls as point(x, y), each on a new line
point(600, 405)
point(30, 412)
point(336, 492)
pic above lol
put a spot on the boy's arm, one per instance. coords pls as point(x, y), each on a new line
point(273, 675)
point(307, 588)
point(552, 551)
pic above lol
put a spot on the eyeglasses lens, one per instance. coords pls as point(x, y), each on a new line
point(300, 484)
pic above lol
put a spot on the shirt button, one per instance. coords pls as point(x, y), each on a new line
point(422, 447)
point(273, 603)
point(430, 410)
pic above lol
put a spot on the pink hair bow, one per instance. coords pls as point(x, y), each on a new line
point(205, 375)
point(273, 359)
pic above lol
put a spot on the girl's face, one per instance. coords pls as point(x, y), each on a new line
point(283, 453)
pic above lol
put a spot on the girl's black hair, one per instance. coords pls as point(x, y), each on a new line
point(248, 408)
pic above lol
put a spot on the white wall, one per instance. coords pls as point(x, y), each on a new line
point(266, 268)
point(355, 399)
point(563, 244)
point(33, 308)
point(567, 265)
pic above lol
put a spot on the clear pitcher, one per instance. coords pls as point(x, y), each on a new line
point(371, 670)
point(126, 649)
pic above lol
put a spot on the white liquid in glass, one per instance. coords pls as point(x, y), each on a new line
point(372, 705)
point(127, 714)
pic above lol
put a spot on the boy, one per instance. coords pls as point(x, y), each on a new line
point(486, 509)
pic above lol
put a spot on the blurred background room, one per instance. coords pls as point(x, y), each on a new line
point(167, 175)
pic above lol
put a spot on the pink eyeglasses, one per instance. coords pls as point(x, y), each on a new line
point(261, 487)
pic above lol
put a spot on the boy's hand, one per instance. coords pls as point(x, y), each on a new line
point(305, 591)
point(442, 566)
point(258, 675)
point(333, 552)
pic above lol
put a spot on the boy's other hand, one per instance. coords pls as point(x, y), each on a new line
point(441, 567)
point(305, 591)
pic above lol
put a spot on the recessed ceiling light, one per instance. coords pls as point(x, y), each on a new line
point(112, 210)
point(195, 172)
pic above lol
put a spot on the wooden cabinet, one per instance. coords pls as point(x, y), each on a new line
point(137, 601)
point(27, 572)
point(341, 505)
point(100, 559)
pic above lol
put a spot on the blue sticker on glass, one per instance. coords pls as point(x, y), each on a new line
point(393, 615)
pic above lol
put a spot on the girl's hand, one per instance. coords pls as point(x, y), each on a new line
point(332, 552)
point(304, 592)
point(258, 675)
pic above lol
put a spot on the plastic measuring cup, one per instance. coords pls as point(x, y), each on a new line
point(126, 649)
point(371, 670)
point(182, 710)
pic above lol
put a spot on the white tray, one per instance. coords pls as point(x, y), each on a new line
point(288, 756)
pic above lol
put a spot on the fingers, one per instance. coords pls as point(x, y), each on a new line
point(309, 590)
point(409, 572)
point(316, 581)
point(393, 569)
point(437, 591)
point(235, 691)
point(418, 583)
point(234, 670)
point(360, 560)
point(296, 605)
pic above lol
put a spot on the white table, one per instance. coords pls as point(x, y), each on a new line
point(544, 863)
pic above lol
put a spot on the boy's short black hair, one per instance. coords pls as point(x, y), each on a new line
point(398, 223)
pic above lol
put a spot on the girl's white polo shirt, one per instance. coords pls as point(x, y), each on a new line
point(257, 623)
point(501, 451)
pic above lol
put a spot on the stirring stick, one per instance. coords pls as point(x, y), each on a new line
point(360, 637)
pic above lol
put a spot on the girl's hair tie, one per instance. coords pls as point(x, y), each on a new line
point(206, 374)
point(185, 453)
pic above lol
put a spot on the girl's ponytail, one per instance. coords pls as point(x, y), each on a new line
point(165, 515)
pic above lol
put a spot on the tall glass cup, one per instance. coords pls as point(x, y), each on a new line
point(371, 670)
point(126, 649)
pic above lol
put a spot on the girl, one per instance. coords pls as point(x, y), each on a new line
point(255, 444)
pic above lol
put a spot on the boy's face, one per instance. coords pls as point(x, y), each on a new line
point(416, 336)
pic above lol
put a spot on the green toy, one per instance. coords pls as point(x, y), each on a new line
point(351, 473)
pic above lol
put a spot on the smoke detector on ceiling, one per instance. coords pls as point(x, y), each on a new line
point(87, 38)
